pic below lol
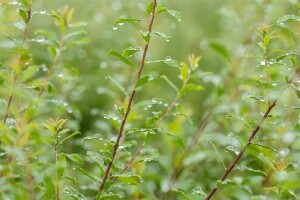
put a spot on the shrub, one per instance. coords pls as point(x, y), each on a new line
point(135, 123)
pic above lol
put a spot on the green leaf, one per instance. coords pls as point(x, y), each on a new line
point(74, 157)
point(95, 157)
point(142, 131)
point(109, 196)
point(143, 80)
point(23, 14)
point(169, 61)
point(60, 21)
point(63, 131)
point(175, 14)
point(217, 152)
point(190, 87)
point(286, 18)
point(120, 21)
point(245, 168)
point(170, 83)
point(76, 33)
point(221, 49)
point(266, 40)
point(129, 179)
point(198, 190)
point(50, 128)
point(179, 141)
point(145, 36)
point(122, 58)
point(225, 182)
point(261, 45)
point(149, 8)
point(160, 9)
point(179, 192)
point(61, 166)
point(72, 192)
point(49, 187)
point(162, 35)
point(29, 72)
point(73, 134)
point(117, 84)
point(131, 51)
point(82, 171)
point(184, 72)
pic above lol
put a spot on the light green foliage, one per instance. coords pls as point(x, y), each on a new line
point(74, 74)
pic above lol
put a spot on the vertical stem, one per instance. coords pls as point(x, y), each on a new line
point(15, 76)
point(57, 163)
point(107, 171)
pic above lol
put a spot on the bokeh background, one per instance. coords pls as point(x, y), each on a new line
point(222, 32)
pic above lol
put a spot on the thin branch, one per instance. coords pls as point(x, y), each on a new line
point(129, 102)
point(253, 134)
point(15, 76)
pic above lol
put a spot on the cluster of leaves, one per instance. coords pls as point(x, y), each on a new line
point(146, 148)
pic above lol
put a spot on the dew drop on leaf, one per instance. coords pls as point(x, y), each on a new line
point(168, 58)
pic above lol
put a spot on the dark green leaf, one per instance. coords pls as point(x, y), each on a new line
point(286, 18)
point(23, 14)
point(122, 58)
point(143, 80)
point(72, 192)
point(145, 36)
point(82, 171)
point(175, 14)
point(190, 87)
point(129, 179)
point(120, 21)
point(74, 157)
point(49, 187)
point(221, 49)
point(170, 83)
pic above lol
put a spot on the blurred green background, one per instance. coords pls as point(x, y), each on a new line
point(222, 32)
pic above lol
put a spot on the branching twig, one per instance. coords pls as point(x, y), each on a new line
point(16, 76)
point(253, 134)
point(120, 134)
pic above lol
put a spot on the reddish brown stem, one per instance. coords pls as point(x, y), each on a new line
point(253, 134)
point(15, 76)
point(129, 102)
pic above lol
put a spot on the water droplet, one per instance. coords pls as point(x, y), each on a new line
point(40, 38)
point(154, 100)
point(61, 75)
point(43, 11)
point(262, 62)
point(93, 111)
point(166, 105)
point(44, 68)
point(146, 108)
point(115, 27)
point(103, 64)
point(20, 25)
point(168, 58)
point(121, 24)
point(167, 40)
